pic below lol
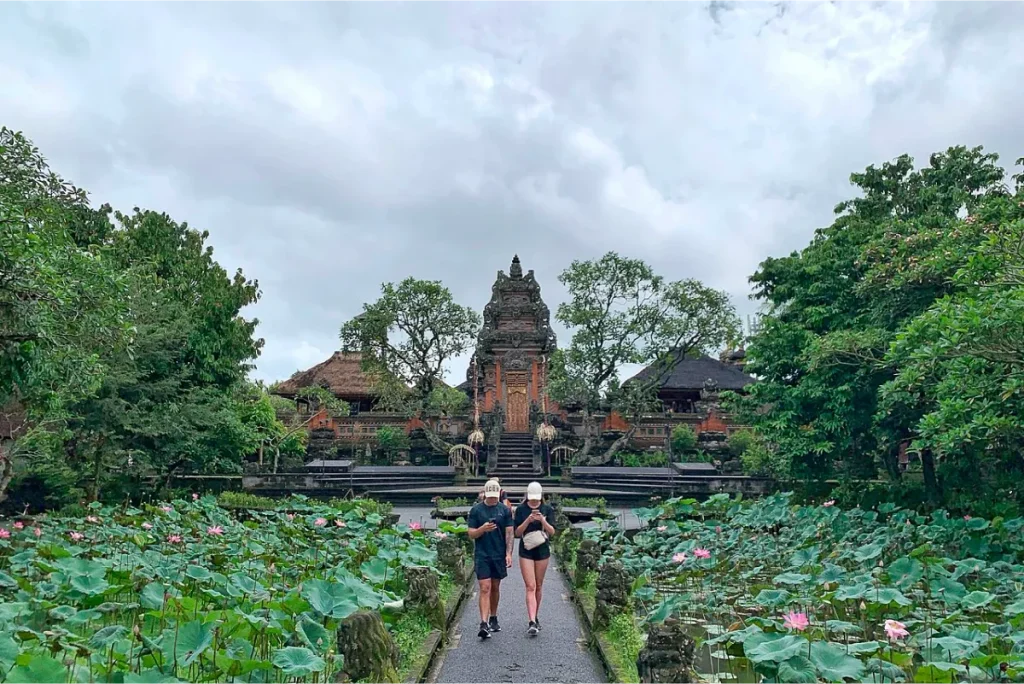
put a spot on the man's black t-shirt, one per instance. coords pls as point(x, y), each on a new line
point(490, 544)
point(523, 512)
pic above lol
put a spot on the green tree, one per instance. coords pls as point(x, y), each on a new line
point(833, 311)
point(60, 302)
point(621, 312)
point(406, 337)
point(170, 403)
point(293, 416)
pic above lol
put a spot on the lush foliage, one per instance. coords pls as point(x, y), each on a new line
point(805, 593)
point(621, 312)
point(122, 347)
point(188, 591)
point(898, 329)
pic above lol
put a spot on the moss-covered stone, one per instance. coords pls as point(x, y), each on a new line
point(369, 652)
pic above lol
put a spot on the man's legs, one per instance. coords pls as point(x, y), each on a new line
point(486, 586)
point(495, 596)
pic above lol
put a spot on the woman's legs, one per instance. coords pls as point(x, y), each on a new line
point(530, 580)
point(539, 569)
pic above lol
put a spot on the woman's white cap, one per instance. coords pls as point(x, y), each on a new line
point(533, 491)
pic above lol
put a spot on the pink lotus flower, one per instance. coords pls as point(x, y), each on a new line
point(291, 516)
point(216, 530)
point(77, 536)
point(195, 497)
point(147, 526)
point(36, 531)
point(679, 557)
point(702, 553)
point(320, 522)
point(439, 534)
point(174, 539)
point(718, 529)
point(895, 630)
point(4, 533)
point(662, 528)
point(19, 525)
point(166, 509)
point(829, 503)
point(967, 517)
point(797, 621)
point(415, 526)
point(340, 523)
point(92, 519)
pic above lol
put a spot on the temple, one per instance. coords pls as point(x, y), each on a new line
point(507, 377)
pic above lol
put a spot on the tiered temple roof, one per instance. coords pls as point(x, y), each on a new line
point(342, 374)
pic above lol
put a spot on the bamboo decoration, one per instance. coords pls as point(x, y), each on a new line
point(545, 433)
point(477, 435)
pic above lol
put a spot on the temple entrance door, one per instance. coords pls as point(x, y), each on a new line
point(518, 416)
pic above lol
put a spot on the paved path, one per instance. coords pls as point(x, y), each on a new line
point(558, 654)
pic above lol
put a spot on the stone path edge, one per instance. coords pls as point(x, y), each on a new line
point(600, 643)
point(436, 639)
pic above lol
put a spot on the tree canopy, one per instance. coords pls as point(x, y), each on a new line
point(893, 330)
point(620, 312)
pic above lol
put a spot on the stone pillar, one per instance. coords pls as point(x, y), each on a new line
point(424, 593)
point(451, 558)
point(369, 651)
point(668, 654)
point(588, 556)
point(613, 588)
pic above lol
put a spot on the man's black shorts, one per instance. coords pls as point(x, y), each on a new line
point(491, 568)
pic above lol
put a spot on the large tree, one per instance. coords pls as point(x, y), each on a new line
point(61, 301)
point(170, 403)
point(620, 312)
point(835, 310)
point(406, 337)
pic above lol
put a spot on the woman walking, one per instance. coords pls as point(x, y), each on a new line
point(534, 525)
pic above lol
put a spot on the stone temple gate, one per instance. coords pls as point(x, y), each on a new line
point(516, 338)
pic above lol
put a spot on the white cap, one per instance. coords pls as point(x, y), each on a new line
point(492, 489)
point(533, 491)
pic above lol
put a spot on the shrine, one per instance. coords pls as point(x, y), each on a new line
point(508, 365)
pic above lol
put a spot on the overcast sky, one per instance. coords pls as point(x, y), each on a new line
point(330, 147)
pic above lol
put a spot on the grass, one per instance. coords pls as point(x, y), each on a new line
point(410, 634)
point(623, 643)
point(443, 503)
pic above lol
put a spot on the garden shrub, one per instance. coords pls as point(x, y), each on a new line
point(683, 439)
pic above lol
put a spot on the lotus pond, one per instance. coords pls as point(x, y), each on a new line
point(779, 592)
point(188, 591)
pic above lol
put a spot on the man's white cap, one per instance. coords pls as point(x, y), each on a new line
point(533, 491)
point(492, 489)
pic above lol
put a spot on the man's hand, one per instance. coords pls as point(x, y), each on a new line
point(508, 560)
point(489, 526)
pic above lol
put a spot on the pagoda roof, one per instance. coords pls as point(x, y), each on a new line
point(690, 373)
point(342, 375)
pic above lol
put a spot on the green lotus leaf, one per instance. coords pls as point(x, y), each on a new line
point(90, 585)
point(887, 595)
point(773, 597)
point(775, 647)
point(7, 581)
point(9, 650)
point(149, 677)
point(375, 571)
point(40, 669)
point(862, 647)
point(976, 599)
point(296, 661)
point(833, 663)
point(198, 572)
point(191, 640)
point(884, 669)
point(1015, 608)
point(791, 578)
point(905, 572)
point(797, 669)
point(152, 596)
point(313, 635)
point(868, 552)
point(947, 590)
point(107, 636)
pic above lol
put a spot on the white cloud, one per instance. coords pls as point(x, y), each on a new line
point(328, 147)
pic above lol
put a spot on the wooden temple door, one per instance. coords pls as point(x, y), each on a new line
point(517, 419)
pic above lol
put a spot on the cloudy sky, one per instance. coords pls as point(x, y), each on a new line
point(330, 147)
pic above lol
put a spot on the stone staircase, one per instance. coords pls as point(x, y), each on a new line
point(515, 459)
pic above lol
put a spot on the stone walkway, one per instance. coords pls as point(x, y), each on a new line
point(558, 654)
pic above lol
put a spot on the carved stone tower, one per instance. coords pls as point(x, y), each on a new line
point(515, 337)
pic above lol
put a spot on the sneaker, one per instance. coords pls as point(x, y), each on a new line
point(484, 633)
point(533, 629)
point(494, 626)
point(536, 621)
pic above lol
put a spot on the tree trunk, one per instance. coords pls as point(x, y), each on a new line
point(436, 443)
point(588, 438)
point(97, 466)
point(931, 482)
point(261, 455)
point(6, 470)
point(891, 461)
point(616, 446)
point(277, 457)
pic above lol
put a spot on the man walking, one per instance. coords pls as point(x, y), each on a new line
point(490, 527)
